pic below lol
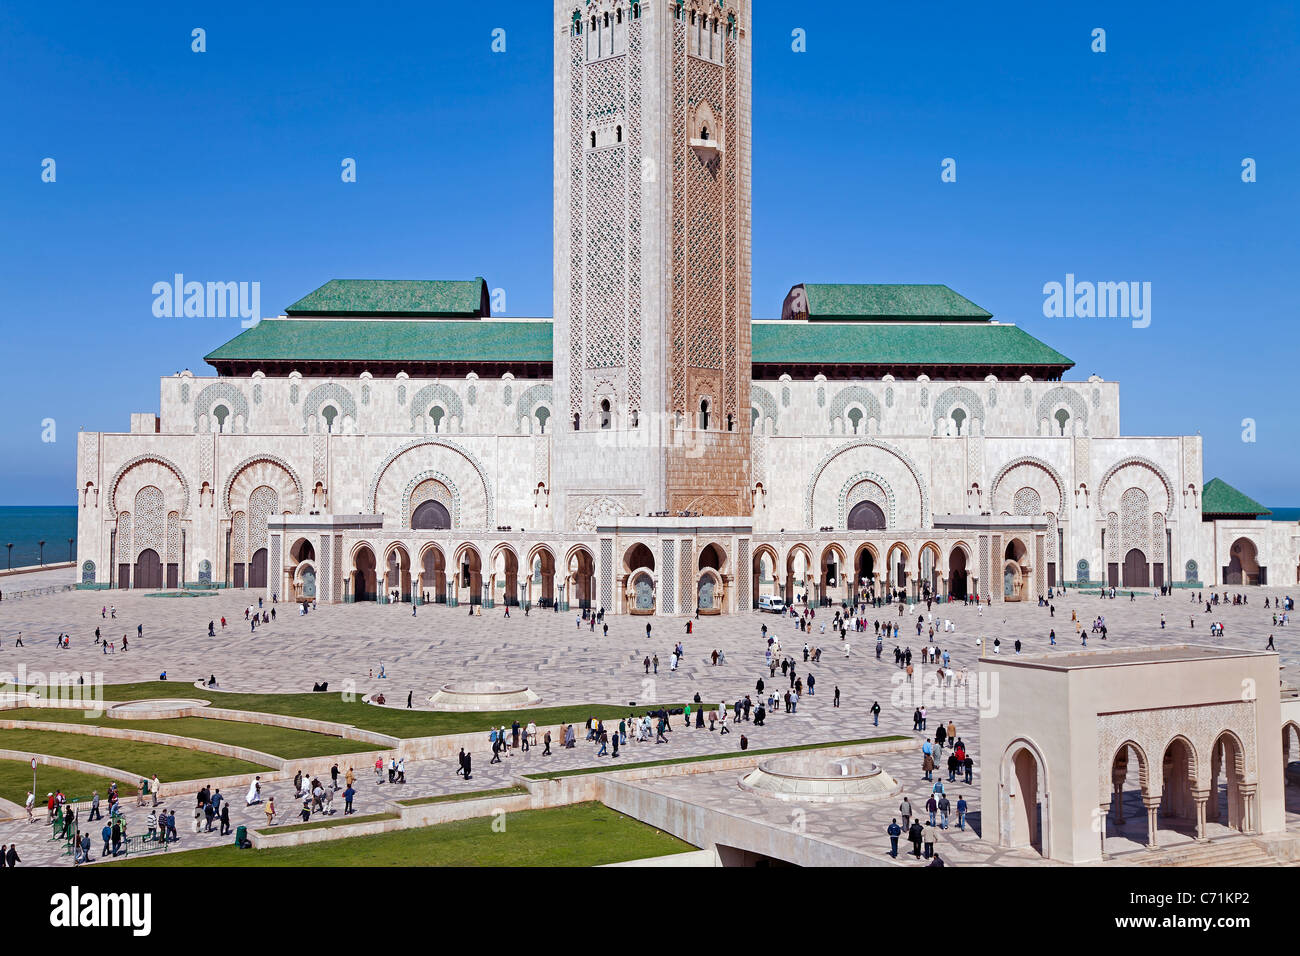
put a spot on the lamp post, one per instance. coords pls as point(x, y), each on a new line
point(42, 544)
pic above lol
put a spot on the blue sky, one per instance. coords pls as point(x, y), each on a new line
point(1123, 165)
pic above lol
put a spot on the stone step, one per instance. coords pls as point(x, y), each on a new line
point(1233, 851)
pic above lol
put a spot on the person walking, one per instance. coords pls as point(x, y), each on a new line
point(894, 831)
point(905, 811)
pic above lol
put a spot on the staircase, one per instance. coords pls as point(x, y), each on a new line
point(1228, 851)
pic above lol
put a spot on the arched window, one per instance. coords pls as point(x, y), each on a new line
point(753, 419)
point(731, 422)
point(618, 133)
point(577, 421)
point(958, 416)
point(704, 413)
point(606, 419)
point(437, 414)
point(542, 415)
point(329, 413)
point(1061, 416)
point(634, 418)
point(221, 413)
point(704, 132)
point(855, 418)
point(593, 139)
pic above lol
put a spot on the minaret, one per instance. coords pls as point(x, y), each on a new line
point(652, 258)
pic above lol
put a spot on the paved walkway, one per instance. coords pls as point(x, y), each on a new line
point(567, 664)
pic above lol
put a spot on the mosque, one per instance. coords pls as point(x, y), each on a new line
point(652, 448)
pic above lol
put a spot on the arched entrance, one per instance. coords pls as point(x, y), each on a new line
point(541, 578)
point(864, 563)
point(930, 571)
point(1243, 564)
point(830, 581)
point(866, 516)
point(710, 585)
point(1023, 812)
point(1129, 818)
point(431, 516)
point(1015, 571)
point(302, 557)
point(148, 569)
point(433, 575)
point(1290, 735)
point(896, 563)
point(305, 583)
point(397, 576)
point(505, 577)
point(364, 582)
point(1228, 804)
point(798, 567)
point(1135, 570)
point(1178, 775)
point(764, 571)
point(469, 577)
point(580, 578)
point(957, 585)
point(638, 580)
point(710, 592)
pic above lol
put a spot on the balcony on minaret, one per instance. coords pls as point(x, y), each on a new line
point(707, 146)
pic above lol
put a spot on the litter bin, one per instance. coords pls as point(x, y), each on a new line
point(241, 834)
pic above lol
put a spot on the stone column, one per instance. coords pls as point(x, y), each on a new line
point(1117, 780)
point(1201, 797)
point(1248, 824)
point(1152, 805)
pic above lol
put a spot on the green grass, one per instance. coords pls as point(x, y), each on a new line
point(331, 822)
point(606, 768)
point(396, 722)
point(142, 760)
point(585, 834)
point(471, 795)
point(280, 741)
point(16, 780)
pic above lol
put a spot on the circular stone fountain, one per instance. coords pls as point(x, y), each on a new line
point(478, 695)
point(158, 708)
point(820, 779)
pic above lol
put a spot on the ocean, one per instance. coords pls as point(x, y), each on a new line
point(25, 528)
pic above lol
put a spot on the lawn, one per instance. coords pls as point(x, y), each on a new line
point(470, 795)
point(280, 741)
point(16, 780)
point(142, 760)
point(396, 722)
point(585, 834)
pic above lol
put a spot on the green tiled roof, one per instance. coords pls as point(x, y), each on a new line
point(899, 344)
point(492, 340)
point(434, 298)
point(857, 301)
point(389, 340)
point(1220, 498)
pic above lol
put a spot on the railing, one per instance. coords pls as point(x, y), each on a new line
point(6, 595)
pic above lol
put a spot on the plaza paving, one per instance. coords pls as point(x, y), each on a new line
point(564, 663)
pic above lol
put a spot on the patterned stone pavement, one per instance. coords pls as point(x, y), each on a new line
point(564, 663)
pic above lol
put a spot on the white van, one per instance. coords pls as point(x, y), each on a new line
point(770, 602)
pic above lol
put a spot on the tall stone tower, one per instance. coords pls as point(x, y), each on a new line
point(652, 258)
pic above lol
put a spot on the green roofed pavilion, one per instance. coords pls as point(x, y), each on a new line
point(1220, 500)
point(425, 298)
point(847, 302)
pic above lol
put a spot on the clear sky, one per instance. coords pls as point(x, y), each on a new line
point(225, 166)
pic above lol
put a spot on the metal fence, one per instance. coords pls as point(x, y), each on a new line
point(6, 595)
